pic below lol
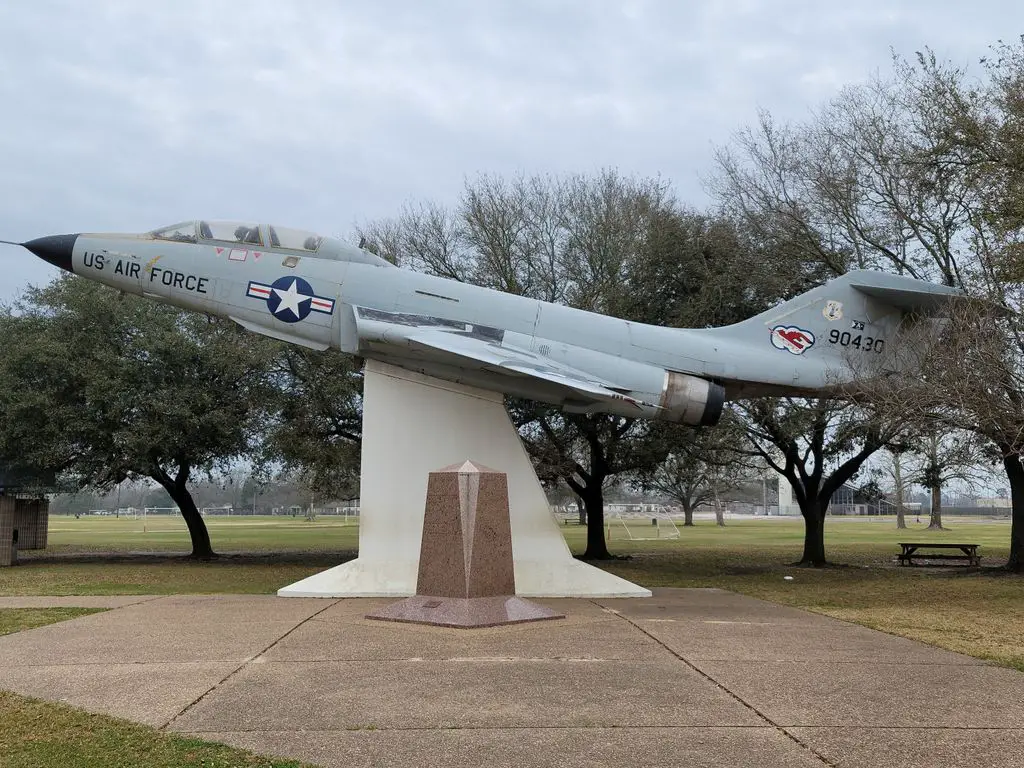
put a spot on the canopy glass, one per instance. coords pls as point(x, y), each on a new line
point(240, 232)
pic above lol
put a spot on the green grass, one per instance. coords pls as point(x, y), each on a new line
point(866, 540)
point(17, 619)
point(159, 576)
point(37, 733)
point(111, 556)
point(166, 533)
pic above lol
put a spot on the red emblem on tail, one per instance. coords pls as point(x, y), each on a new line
point(792, 339)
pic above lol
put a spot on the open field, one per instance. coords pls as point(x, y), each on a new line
point(166, 533)
point(869, 538)
point(974, 612)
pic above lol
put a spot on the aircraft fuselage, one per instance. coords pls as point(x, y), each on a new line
point(323, 293)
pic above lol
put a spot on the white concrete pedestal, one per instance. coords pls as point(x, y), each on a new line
point(412, 425)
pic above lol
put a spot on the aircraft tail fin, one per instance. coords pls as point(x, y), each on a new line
point(853, 318)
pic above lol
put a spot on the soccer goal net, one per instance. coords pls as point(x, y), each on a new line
point(652, 524)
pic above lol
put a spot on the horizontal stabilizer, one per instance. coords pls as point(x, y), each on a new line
point(902, 292)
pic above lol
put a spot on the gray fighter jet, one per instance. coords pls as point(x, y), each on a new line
point(320, 292)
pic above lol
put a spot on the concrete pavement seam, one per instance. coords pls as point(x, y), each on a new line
point(142, 601)
point(910, 727)
point(792, 737)
point(872, 662)
point(243, 665)
point(431, 729)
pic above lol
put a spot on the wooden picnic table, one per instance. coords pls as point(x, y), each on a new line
point(969, 552)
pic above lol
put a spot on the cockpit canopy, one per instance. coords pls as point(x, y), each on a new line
point(266, 236)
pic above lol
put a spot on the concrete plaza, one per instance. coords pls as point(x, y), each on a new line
point(688, 677)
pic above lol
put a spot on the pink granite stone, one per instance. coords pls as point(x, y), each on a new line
point(466, 576)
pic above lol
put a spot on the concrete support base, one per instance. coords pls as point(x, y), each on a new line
point(464, 612)
point(413, 424)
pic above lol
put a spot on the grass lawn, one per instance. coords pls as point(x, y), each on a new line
point(166, 533)
point(279, 551)
point(17, 619)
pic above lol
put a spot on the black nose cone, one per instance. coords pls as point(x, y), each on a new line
point(55, 249)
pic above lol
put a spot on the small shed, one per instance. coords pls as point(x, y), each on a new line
point(24, 512)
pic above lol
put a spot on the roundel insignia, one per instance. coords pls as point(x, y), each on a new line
point(290, 299)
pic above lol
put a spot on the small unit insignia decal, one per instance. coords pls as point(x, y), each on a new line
point(833, 310)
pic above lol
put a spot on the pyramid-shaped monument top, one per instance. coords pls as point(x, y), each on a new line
point(468, 467)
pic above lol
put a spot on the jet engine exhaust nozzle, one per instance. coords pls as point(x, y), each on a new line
point(691, 400)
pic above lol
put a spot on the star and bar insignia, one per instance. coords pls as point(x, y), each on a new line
point(290, 299)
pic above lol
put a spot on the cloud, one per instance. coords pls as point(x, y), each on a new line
point(124, 116)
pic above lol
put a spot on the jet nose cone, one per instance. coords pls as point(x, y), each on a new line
point(55, 249)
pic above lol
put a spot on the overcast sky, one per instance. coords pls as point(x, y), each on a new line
point(124, 116)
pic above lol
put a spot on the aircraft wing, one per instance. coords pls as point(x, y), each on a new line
point(521, 362)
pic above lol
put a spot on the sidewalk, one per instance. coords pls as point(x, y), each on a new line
point(688, 677)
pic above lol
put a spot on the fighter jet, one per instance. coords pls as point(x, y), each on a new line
point(321, 292)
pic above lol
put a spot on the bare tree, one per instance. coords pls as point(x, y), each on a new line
point(919, 172)
point(942, 457)
point(703, 465)
point(896, 470)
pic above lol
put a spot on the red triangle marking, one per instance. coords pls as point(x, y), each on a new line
point(220, 251)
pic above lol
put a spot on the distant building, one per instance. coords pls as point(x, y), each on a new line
point(24, 512)
point(847, 500)
point(992, 502)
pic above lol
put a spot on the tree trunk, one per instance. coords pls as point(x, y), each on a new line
point(202, 549)
point(582, 510)
point(1015, 474)
point(687, 514)
point(597, 547)
point(814, 533)
point(719, 515)
point(901, 520)
point(935, 520)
